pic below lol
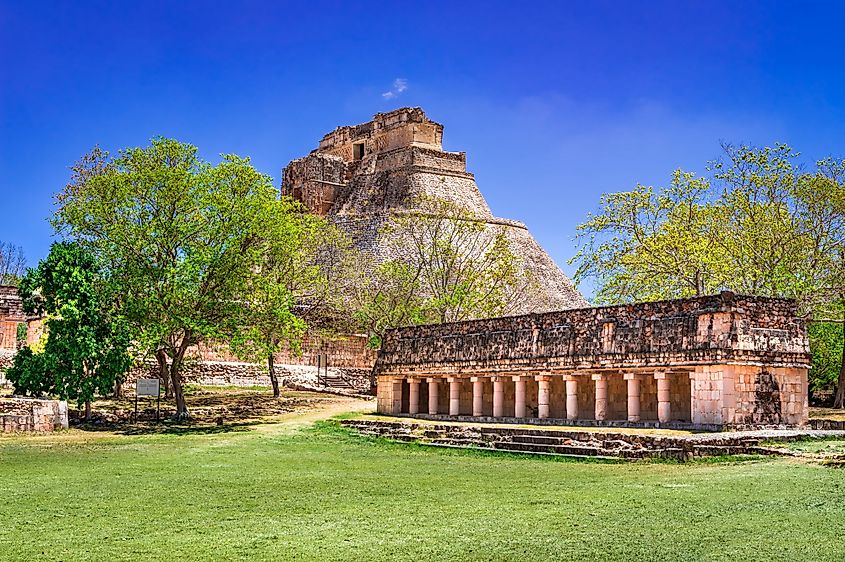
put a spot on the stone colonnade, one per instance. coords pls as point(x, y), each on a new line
point(643, 395)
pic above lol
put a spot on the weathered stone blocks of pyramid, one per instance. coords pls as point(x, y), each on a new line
point(359, 175)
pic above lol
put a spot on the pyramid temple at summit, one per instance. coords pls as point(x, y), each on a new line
point(359, 175)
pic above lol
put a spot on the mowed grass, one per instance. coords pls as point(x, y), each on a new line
point(279, 492)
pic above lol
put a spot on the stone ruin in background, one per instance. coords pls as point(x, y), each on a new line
point(11, 315)
point(708, 362)
point(359, 175)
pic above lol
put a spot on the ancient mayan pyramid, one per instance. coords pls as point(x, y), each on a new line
point(360, 174)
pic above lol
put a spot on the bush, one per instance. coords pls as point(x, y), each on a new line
point(29, 373)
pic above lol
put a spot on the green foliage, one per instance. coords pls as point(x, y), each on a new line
point(30, 374)
point(20, 334)
point(87, 341)
point(649, 244)
point(745, 229)
point(448, 266)
point(826, 345)
point(760, 225)
point(296, 286)
point(389, 297)
point(178, 236)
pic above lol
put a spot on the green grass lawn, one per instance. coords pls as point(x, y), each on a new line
point(279, 492)
point(835, 446)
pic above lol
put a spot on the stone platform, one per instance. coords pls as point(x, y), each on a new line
point(585, 443)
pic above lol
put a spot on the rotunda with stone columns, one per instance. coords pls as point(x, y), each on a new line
point(717, 361)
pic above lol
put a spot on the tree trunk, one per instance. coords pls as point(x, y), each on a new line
point(274, 380)
point(839, 400)
point(118, 389)
point(87, 410)
point(176, 378)
point(164, 373)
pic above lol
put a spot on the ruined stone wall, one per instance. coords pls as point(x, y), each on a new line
point(349, 358)
point(706, 330)
point(315, 181)
point(387, 131)
point(384, 183)
point(230, 373)
point(11, 314)
point(346, 351)
point(750, 395)
point(19, 414)
point(769, 395)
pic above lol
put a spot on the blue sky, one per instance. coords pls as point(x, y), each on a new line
point(554, 102)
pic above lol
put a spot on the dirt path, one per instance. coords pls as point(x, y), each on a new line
point(297, 420)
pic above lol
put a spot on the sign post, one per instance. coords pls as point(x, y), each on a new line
point(148, 387)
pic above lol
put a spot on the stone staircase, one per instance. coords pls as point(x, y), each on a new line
point(570, 443)
point(336, 382)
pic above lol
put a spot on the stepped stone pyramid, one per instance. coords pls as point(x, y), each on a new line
point(359, 175)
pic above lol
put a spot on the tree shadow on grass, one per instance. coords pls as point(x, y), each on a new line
point(171, 428)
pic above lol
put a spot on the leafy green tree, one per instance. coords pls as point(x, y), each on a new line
point(180, 239)
point(86, 350)
point(822, 218)
point(295, 288)
point(649, 244)
point(20, 335)
point(448, 265)
point(760, 225)
point(387, 297)
point(826, 345)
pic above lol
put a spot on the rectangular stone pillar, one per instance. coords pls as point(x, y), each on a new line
point(633, 397)
point(664, 397)
point(498, 397)
point(433, 395)
point(414, 396)
point(477, 396)
point(396, 407)
point(519, 396)
point(543, 395)
point(571, 397)
point(601, 396)
point(454, 396)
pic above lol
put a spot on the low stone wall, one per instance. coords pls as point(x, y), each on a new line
point(224, 373)
point(824, 424)
point(32, 415)
point(231, 373)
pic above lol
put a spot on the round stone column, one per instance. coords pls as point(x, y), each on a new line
point(601, 396)
point(519, 397)
point(477, 396)
point(498, 397)
point(633, 397)
point(543, 395)
point(414, 396)
point(433, 395)
point(664, 397)
point(571, 397)
point(454, 396)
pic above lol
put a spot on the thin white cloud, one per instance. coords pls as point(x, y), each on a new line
point(399, 86)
